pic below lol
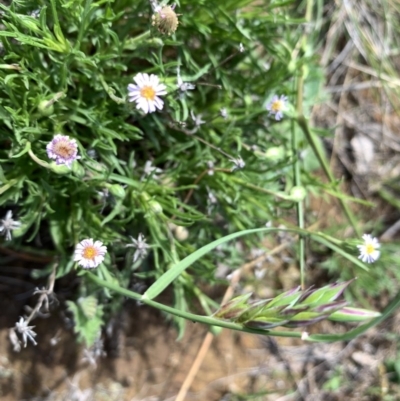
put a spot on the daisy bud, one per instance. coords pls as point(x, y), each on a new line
point(275, 153)
point(60, 169)
point(298, 193)
point(181, 233)
point(78, 170)
point(46, 108)
point(155, 207)
point(118, 191)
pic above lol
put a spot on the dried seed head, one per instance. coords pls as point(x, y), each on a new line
point(166, 20)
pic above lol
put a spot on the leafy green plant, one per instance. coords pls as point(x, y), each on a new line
point(201, 151)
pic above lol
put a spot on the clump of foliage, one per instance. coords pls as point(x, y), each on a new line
point(215, 159)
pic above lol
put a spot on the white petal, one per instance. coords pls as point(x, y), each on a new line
point(142, 104)
point(152, 106)
point(132, 87)
point(140, 79)
point(159, 103)
point(154, 81)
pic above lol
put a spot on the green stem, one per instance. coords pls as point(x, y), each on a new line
point(297, 178)
point(111, 91)
point(263, 190)
point(324, 164)
point(186, 315)
point(133, 43)
point(394, 305)
point(37, 160)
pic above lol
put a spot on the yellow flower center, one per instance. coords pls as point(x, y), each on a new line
point(64, 150)
point(90, 252)
point(369, 248)
point(277, 106)
point(148, 93)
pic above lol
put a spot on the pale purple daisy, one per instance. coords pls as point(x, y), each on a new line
point(63, 150)
point(369, 250)
point(89, 254)
point(277, 106)
point(146, 92)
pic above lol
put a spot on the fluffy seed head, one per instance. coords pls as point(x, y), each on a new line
point(166, 20)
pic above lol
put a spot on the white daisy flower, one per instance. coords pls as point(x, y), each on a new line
point(89, 254)
point(369, 250)
point(276, 106)
point(146, 92)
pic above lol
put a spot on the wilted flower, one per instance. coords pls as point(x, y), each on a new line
point(89, 254)
point(183, 86)
point(369, 250)
point(197, 119)
point(224, 113)
point(304, 335)
point(141, 247)
point(35, 13)
point(238, 163)
point(166, 20)
point(210, 166)
point(211, 198)
point(26, 331)
point(96, 351)
point(149, 169)
point(186, 86)
point(146, 93)
point(8, 224)
point(63, 150)
point(276, 106)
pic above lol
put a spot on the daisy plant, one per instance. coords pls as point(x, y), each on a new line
point(180, 159)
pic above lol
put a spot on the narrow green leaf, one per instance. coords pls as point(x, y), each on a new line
point(340, 251)
point(169, 276)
